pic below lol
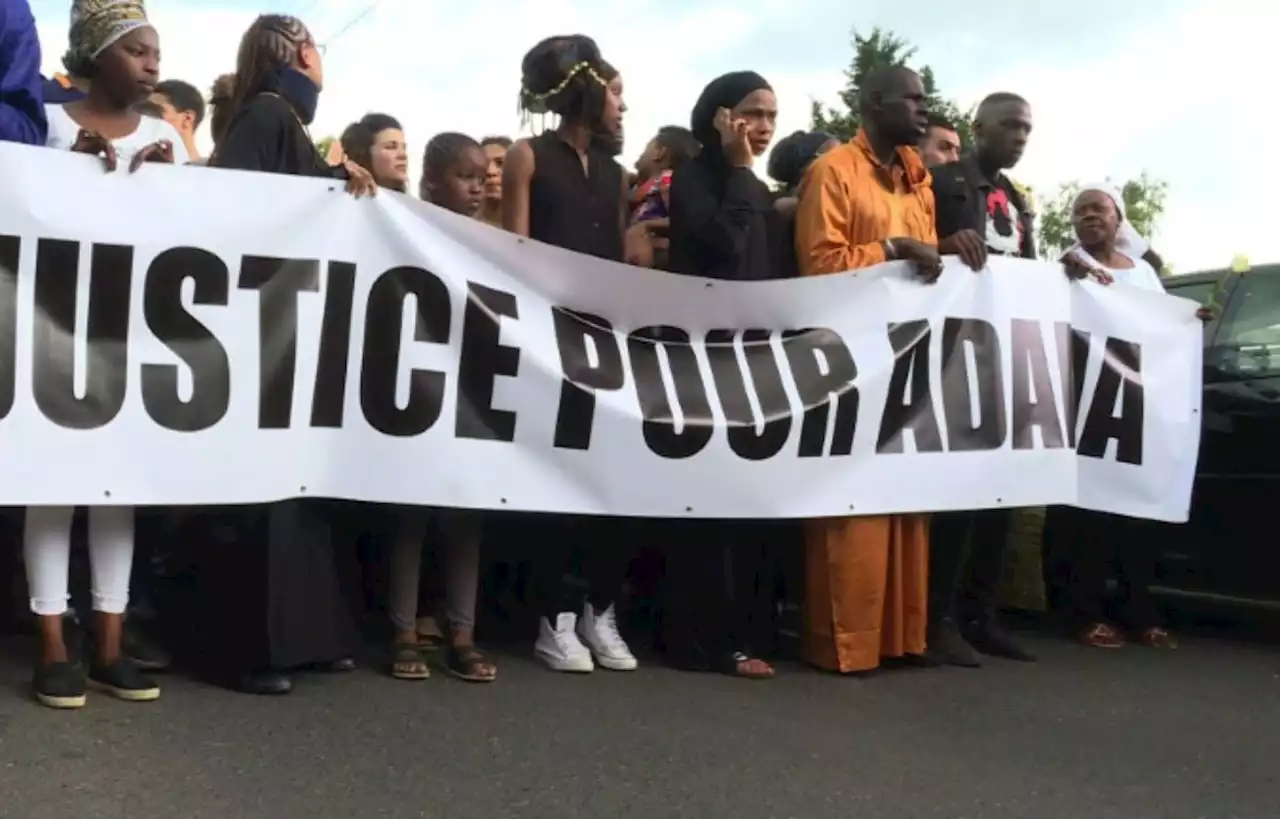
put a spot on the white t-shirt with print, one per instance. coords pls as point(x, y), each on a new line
point(1142, 275)
point(63, 130)
point(1004, 223)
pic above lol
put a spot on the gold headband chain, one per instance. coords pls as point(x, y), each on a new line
point(534, 97)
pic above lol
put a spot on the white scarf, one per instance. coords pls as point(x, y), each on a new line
point(1128, 241)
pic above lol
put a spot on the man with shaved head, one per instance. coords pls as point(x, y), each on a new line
point(981, 212)
point(861, 204)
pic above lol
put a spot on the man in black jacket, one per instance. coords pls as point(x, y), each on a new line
point(984, 214)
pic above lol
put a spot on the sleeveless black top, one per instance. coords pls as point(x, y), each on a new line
point(571, 209)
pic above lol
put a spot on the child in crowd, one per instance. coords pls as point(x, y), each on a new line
point(453, 176)
point(649, 197)
point(453, 173)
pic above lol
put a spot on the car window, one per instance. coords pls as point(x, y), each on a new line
point(1248, 342)
point(1197, 291)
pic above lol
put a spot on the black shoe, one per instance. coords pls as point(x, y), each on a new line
point(145, 654)
point(338, 666)
point(948, 647)
point(989, 637)
point(59, 685)
point(265, 683)
point(123, 680)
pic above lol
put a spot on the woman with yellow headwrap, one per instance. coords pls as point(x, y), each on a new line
point(117, 49)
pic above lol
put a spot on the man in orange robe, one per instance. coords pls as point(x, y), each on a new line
point(861, 204)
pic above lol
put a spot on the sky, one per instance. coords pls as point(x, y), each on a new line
point(1113, 96)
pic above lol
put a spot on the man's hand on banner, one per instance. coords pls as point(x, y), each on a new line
point(88, 142)
point(161, 151)
point(969, 246)
point(643, 238)
point(1206, 314)
point(923, 257)
point(359, 181)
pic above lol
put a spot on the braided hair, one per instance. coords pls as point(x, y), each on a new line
point(272, 42)
point(564, 76)
point(220, 106)
point(441, 152)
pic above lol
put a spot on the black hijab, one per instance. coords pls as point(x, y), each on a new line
point(723, 92)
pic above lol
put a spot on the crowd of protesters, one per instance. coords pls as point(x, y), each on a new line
point(267, 592)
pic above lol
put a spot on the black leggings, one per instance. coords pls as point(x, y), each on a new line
point(597, 549)
point(1082, 549)
point(719, 592)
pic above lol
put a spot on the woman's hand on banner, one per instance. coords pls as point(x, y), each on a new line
point(336, 155)
point(359, 181)
point(923, 257)
point(160, 151)
point(1206, 314)
point(1077, 268)
point(969, 246)
point(643, 238)
point(95, 144)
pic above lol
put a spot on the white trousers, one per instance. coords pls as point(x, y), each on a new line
point(46, 546)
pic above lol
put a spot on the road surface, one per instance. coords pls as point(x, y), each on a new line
point(1130, 734)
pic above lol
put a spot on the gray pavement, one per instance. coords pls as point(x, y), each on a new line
point(1131, 734)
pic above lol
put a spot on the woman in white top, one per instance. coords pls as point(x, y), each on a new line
point(112, 44)
point(1098, 218)
point(117, 49)
point(1080, 545)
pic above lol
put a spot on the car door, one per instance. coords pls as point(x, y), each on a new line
point(1230, 545)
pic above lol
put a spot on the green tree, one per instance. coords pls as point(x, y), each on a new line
point(881, 49)
point(323, 145)
point(1144, 204)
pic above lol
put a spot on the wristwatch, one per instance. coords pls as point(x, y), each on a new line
point(890, 252)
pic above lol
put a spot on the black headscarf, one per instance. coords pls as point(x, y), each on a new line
point(793, 154)
point(723, 92)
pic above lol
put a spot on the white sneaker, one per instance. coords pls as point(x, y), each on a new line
point(558, 646)
point(600, 633)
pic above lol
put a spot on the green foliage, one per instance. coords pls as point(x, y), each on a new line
point(1144, 204)
point(881, 49)
point(325, 144)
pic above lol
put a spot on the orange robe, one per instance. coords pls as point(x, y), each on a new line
point(866, 578)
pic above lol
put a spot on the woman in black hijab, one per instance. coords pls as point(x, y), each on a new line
point(723, 226)
point(722, 222)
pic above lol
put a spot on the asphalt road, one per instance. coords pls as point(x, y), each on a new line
point(1131, 734)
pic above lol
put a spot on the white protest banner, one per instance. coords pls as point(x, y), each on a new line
point(200, 336)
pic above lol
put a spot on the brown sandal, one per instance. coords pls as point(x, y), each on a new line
point(1157, 637)
point(744, 666)
point(467, 663)
point(1101, 635)
point(407, 662)
point(430, 637)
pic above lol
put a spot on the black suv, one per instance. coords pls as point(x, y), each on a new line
point(1231, 546)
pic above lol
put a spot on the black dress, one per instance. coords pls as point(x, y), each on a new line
point(274, 587)
point(720, 579)
point(579, 209)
